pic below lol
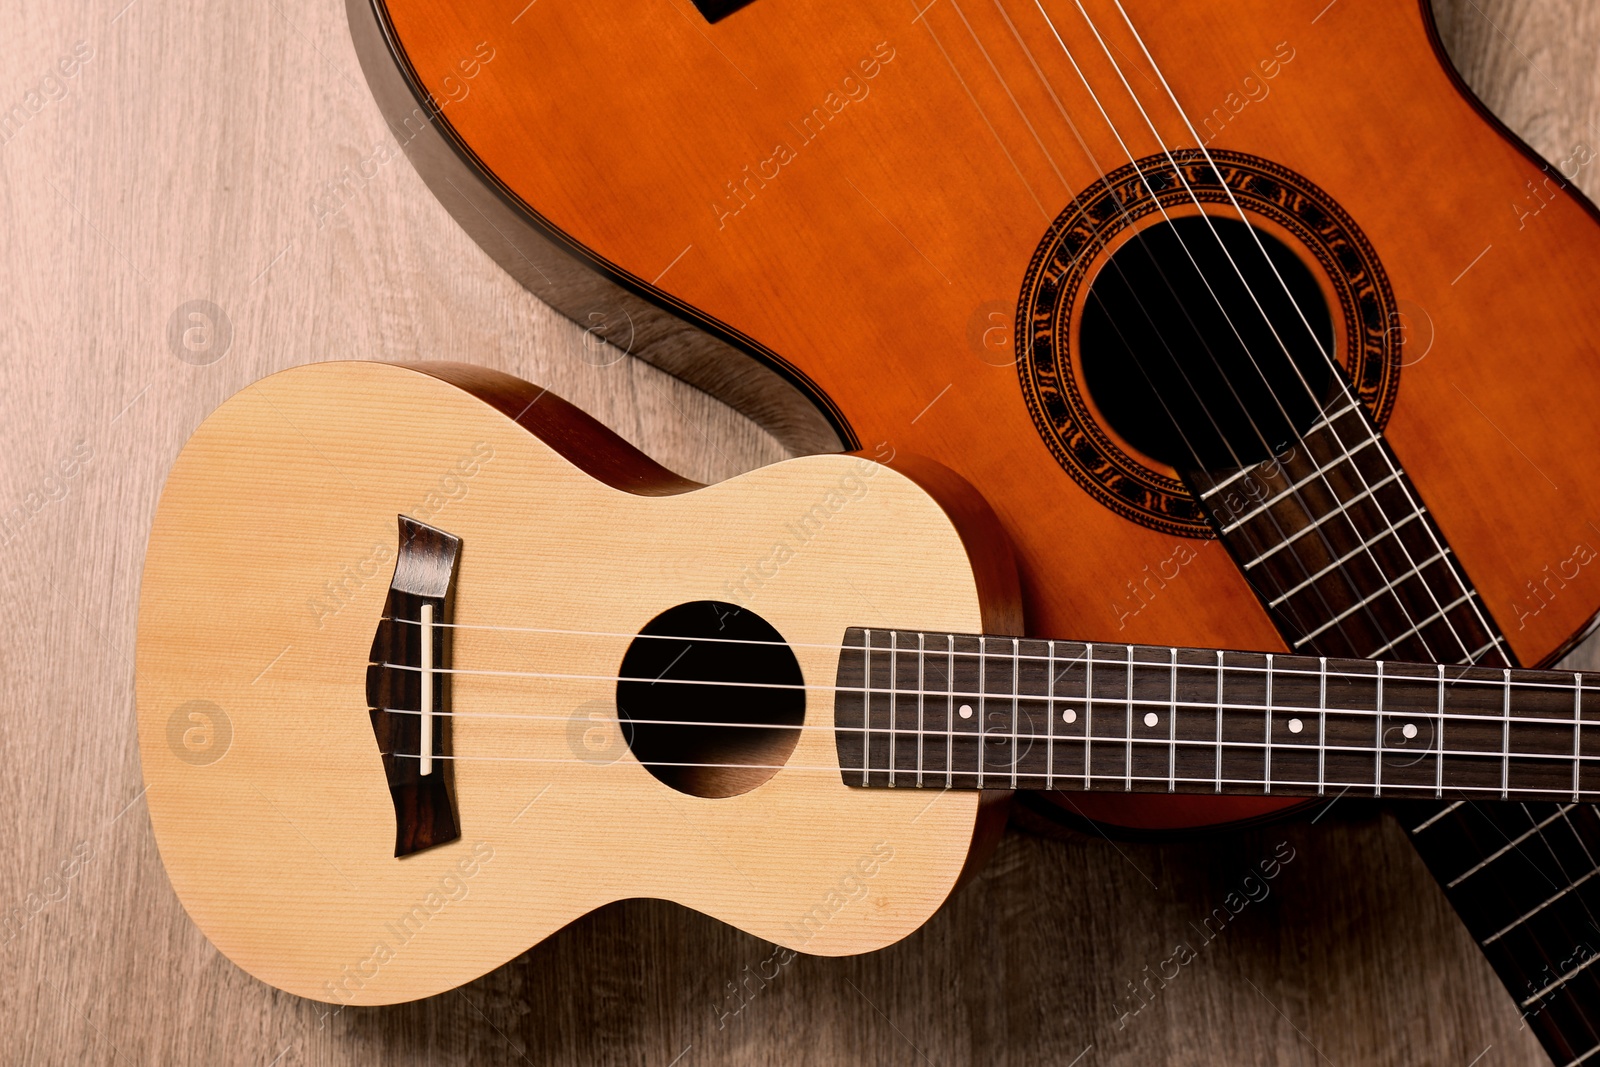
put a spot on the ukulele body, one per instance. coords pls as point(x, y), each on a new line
point(265, 580)
point(856, 201)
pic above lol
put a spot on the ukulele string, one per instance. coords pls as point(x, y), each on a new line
point(1066, 665)
point(1364, 604)
point(1003, 770)
point(1494, 680)
point(1102, 243)
point(1344, 387)
point(1431, 680)
point(627, 721)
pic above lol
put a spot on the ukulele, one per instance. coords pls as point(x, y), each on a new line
point(430, 664)
point(1251, 324)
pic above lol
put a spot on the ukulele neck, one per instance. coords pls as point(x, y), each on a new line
point(958, 711)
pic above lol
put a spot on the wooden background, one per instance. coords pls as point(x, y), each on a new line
point(232, 154)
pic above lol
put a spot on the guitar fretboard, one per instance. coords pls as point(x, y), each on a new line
point(1343, 555)
point(1336, 543)
point(968, 712)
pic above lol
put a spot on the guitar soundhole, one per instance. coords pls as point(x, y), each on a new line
point(1088, 396)
point(1195, 366)
point(710, 699)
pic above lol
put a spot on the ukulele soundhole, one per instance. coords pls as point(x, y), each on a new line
point(1136, 361)
point(710, 699)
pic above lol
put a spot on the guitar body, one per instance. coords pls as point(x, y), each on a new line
point(266, 576)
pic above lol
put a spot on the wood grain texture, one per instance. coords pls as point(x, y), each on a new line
point(192, 157)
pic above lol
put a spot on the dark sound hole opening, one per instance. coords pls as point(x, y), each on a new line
point(705, 712)
point(1161, 344)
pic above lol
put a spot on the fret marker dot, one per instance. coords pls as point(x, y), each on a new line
point(1410, 730)
point(1151, 718)
point(965, 711)
point(1069, 716)
point(1295, 726)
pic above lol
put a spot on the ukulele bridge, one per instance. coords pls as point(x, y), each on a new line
point(408, 688)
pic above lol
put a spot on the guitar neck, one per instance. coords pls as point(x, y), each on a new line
point(960, 711)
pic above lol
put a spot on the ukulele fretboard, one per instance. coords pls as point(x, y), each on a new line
point(967, 712)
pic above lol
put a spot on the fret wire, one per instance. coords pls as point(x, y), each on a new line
point(1319, 470)
point(950, 714)
point(1266, 769)
point(866, 698)
point(1364, 547)
point(1219, 722)
point(1322, 725)
point(1377, 743)
point(922, 685)
point(983, 660)
point(1505, 743)
point(1172, 726)
point(1577, 730)
point(1016, 666)
point(1257, 560)
point(894, 684)
point(1438, 769)
point(1415, 630)
point(1050, 716)
point(1088, 714)
point(1128, 765)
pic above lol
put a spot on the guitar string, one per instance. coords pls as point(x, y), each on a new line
point(1335, 371)
point(1415, 630)
point(1469, 596)
point(1101, 242)
point(1476, 608)
point(1342, 622)
point(1441, 613)
point(1488, 629)
point(1343, 385)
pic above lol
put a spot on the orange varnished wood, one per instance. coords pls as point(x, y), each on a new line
point(867, 259)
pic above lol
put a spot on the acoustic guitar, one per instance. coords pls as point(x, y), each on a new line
point(430, 664)
point(1154, 278)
